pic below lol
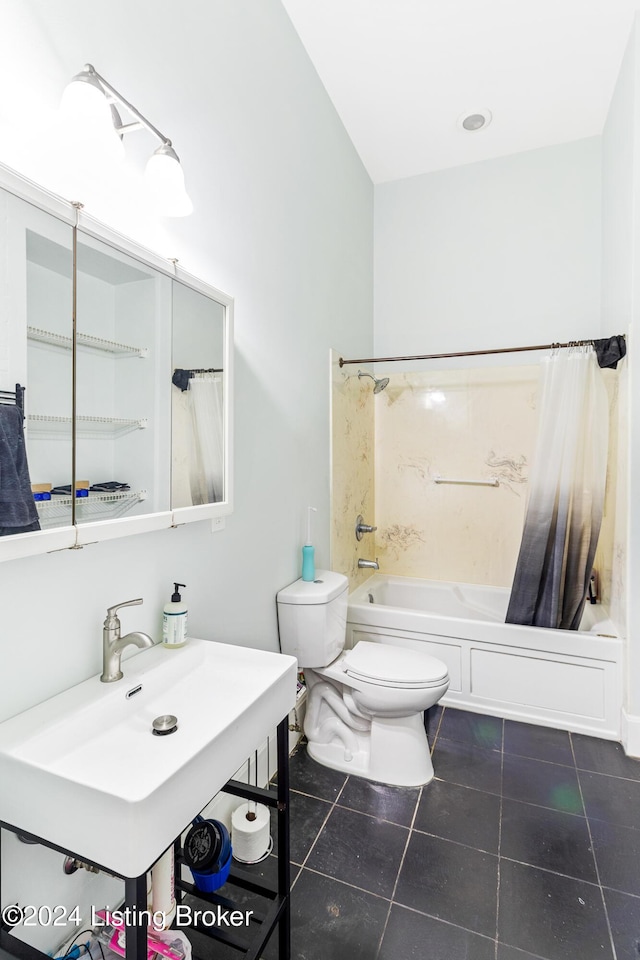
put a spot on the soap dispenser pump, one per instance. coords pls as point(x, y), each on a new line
point(174, 620)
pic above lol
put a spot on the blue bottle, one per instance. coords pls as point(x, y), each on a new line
point(308, 562)
point(308, 552)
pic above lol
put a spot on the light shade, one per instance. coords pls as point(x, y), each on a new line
point(88, 117)
point(164, 179)
point(83, 99)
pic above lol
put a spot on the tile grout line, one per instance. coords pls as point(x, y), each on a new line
point(541, 806)
point(372, 816)
point(409, 832)
point(404, 853)
point(345, 883)
point(437, 733)
point(403, 906)
point(529, 803)
point(602, 773)
point(448, 923)
point(556, 873)
point(456, 843)
point(320, 829)
point(343, 806)
point(499, 840)
point(593, 854)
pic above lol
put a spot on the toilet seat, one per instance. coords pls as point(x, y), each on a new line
point(390, 666)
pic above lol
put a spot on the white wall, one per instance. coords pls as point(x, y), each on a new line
point(282, 222)
point(620, 307)
point(500, 253)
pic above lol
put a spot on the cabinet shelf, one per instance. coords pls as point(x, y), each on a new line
point(43, 423)
point(97, 506)
point(86, 340)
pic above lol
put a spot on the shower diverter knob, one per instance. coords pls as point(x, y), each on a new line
point(362, 527)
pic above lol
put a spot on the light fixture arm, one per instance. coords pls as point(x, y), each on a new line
point(141, 120)
point(99, 113)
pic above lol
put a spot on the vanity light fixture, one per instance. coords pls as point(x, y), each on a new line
point(90, 102)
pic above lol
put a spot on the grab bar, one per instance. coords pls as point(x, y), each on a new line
point(491, 482)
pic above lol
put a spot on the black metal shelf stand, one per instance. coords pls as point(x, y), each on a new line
point(277, 896)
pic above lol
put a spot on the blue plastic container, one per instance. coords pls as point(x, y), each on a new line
point(207, 852)
point(208, 882)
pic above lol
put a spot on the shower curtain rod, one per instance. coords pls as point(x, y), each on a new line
point(202, 370)
point(470, 353)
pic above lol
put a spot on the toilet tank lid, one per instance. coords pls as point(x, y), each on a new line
point(326, 587)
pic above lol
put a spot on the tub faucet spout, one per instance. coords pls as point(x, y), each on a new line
point(113, 644)
point(368, 564)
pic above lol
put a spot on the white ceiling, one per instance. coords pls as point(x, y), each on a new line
point(401, 72)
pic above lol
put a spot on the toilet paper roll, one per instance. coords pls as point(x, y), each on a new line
point(250, 839)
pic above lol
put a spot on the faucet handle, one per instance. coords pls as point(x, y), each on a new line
point(362, 527)
point(111, 611)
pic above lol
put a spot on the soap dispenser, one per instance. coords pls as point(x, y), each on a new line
point(174, 620)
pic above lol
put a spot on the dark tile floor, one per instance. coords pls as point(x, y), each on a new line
point(526, 845)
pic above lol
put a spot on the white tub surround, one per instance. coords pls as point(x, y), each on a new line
point(560, 678)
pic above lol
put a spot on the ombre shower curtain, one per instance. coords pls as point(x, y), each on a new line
point(566, 493)
point(207, 458)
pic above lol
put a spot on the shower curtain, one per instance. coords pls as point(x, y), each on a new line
point(566, 493)
point(207, 457)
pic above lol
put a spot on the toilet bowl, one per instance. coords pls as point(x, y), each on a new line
point(365, 708)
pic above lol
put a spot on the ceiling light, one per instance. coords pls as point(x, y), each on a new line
point(474, 120)
point(88, 111)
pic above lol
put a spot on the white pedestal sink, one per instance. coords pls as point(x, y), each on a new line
point(84, 770)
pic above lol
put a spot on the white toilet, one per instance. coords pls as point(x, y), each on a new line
point(364, 713)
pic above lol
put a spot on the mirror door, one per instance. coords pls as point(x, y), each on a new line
point(122, 404)
point(200, 398)
point(37, 335)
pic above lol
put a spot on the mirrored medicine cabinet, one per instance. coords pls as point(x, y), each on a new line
point(121, 365)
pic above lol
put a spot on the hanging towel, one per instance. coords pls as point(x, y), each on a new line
point(18, 512)
point(609, 351)
point(180, 379)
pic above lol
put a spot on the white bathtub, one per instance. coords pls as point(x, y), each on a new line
point(561, 678)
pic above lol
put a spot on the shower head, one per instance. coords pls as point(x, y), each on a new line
point(379, 385)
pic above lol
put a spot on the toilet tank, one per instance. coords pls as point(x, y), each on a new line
point(312, 618)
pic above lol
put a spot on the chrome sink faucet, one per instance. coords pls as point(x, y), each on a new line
point(113, 644)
